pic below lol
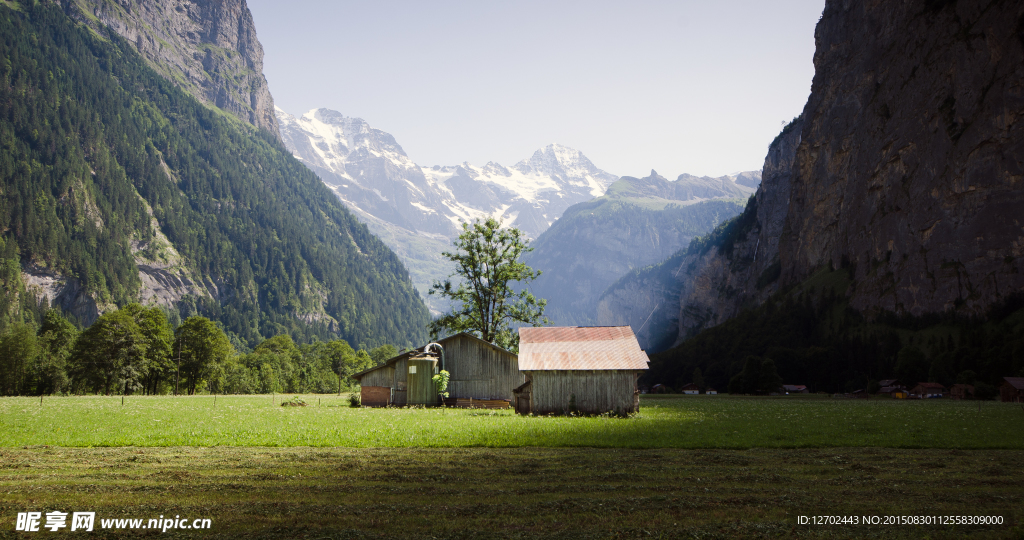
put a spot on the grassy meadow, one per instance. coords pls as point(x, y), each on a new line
point(506, 493)
point(685, 467)
point(663, 422)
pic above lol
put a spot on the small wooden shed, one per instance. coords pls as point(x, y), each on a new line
point(478, 370)
point(591, 370)
point(1012, 390)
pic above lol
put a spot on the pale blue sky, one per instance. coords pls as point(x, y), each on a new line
point(678, 86)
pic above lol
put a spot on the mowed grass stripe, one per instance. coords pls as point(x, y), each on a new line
point(520, 492)
point(664, 422)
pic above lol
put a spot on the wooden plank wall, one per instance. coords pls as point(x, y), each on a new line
point(477, 370)
point(596, 391)
point(384, 376)
point(401, 374)
point(480, 371)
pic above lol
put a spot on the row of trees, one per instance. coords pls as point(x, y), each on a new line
point(135, 350)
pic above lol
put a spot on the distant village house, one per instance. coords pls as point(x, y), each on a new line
point(927, 390)
point(1012, 390)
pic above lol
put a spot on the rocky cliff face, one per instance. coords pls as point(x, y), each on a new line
point(912, 158)
point(207, 47)
point(906, 169)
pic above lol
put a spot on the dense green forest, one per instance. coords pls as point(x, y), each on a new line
point(813, 337)
point(92, 140)
point(135, 350)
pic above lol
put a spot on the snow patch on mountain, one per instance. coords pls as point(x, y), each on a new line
point(369, 170)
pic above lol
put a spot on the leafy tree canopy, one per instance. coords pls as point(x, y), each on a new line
point(202, 347)
point(487, 265)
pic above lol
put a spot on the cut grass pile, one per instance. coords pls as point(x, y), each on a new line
point(499, 493)
point(664, 422)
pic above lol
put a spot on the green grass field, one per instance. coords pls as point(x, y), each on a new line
point(685, 467)
point(664, 422)
point(506, 493)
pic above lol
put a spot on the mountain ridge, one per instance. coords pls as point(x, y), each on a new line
point(132, 190)
point(419, 210)
point(208, 48)
point(636, 223)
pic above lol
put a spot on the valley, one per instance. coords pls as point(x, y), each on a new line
point(418, 210)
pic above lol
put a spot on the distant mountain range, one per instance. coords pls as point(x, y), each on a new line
point(418, 210)
point(638, 222)
point(370, 171)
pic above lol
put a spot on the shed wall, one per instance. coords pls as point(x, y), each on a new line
point(480, 371)
point(477, 370)
point(596, 391)
point(401, 382)
point(1007, 393)
point(384, 376)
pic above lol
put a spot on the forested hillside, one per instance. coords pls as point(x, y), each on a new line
point(116, 186)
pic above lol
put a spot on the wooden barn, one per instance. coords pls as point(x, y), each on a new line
point(479, 370)
point(590, 370)
point(690, 389)
point(1012, 390)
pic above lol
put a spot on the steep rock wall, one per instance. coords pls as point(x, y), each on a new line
point(207, 47)
point(912, 158)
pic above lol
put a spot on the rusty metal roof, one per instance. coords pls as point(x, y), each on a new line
point(580, 347)
point(1016, 382)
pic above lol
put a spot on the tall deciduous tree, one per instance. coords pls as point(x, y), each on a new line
point(152, 322)
point(202, 346)
point(345, 361)
point(383, 354)
point(57, 340)
point(111, 351)
point(487, 265)
point(18, 351)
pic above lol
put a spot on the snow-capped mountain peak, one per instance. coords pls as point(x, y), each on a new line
point(370, 171)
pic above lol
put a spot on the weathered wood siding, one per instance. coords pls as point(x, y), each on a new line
point(384, 376)
point(479, 370)
point(596, 391)
point(400, 382)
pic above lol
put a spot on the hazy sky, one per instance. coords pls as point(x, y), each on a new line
point(699, 87)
